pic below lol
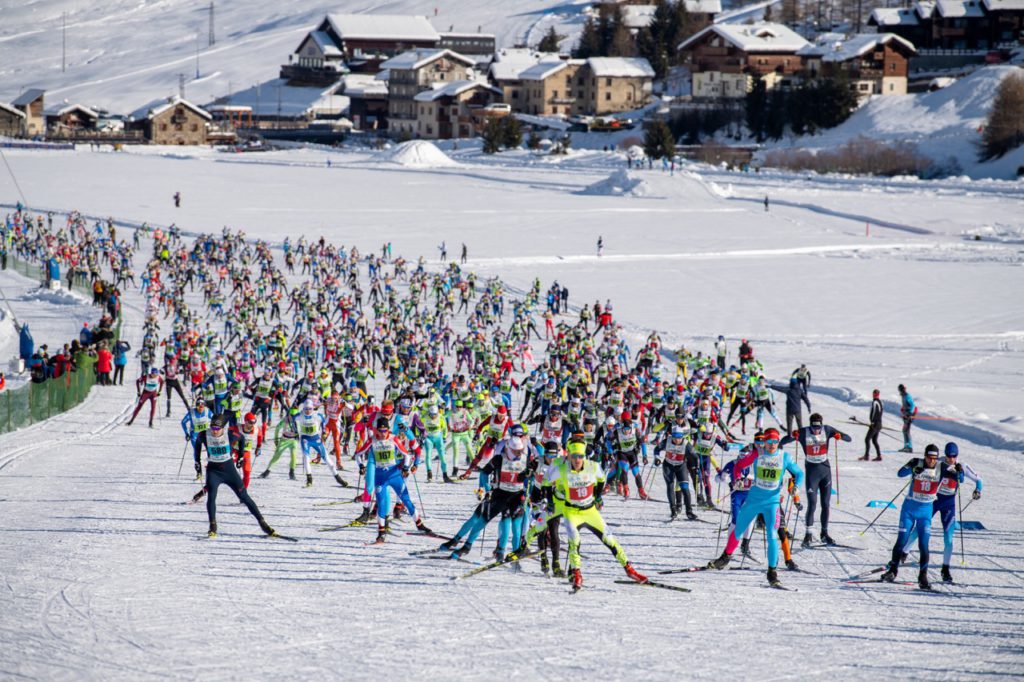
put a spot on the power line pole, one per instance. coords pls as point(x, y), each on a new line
point(198, 36)
point(212, 40)
point(64, 42)
point(181, 85)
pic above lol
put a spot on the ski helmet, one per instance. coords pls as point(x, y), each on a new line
point(931, 450)
point(816, 419)
point(952, 450)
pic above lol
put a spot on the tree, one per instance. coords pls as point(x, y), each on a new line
point(492, 134)
point(549, 43)
point(756, 105)
point(1004, 127)
point(776, 117)
point(533, 141)
point(659, 143)
point(836, 100)
point(511, 132)
point(622, 44)
point(589, 44)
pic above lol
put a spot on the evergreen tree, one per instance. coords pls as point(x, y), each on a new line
point(659, 143)
point(756, 105)
point(549, 43)
point(511, 132)
point(776, 118)
point(589, 44)
point(1004, 127)
point(492, 135)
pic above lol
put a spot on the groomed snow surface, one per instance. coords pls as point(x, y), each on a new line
point(106, 577)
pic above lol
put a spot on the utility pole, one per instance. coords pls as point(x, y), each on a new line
point(212, 40)
point(181, 85)
point(64, 42)
point(198, 34)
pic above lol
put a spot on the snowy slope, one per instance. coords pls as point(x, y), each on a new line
point(105, 576)
point(943, 124)
point(124, 53)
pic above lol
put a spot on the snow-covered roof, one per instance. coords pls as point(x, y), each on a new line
point(638, 16)
point(275, 97)
point(509, 63)
point(620, 67)
point(10, 107)
point(159, 106)
point(1004, 5)
point(894, 16)
point(539, 72)
point(363, 85)
point(757, 37)
point(704, 6)
point(417, 59)
point(924, 8)
point(325, 43)
point(956, 9)
point(852, 47)
point(452, 89)
point(61, 109)
point(382, 27)
point(27, 97)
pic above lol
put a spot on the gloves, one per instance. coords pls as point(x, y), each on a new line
point(645, 460)
point(976, 495)
point(657, 461)
point(599, 503)
point(480, 493)
point(837, 436)
point(362, 469)
point(796, 502)
point(413, 469)
point(918, 469)
point(795, 434)
point(959, 467)
point(405, 473)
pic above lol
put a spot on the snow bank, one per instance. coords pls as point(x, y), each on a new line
point(62, 297)
point(620, 183)
point(419, 154)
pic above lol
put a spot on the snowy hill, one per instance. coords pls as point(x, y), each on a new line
point(943, 124)
point(123, 53)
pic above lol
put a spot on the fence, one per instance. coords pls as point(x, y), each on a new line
point(35, 402)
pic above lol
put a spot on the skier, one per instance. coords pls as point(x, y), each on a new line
point(195, 424)
point(220, 469)
point(908, 410)
point(814, 440)
point(147, 387)
point(310, 425)
point(285, 439)
point(928, 475)
point(721, 350)
point(874, 427)
point(945, 506)
point(387, 458)
point(795, 393)
point(763, 499)
point(600, 246)
point(433, 441)
point(676, 450)
point(579, 483)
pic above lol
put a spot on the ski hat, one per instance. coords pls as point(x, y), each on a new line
point(250, 418)
point(382, 422)
point(626, 417)
point(771, 434)
point(901, 388)
point(551, 449)
point(952, 450)
point(875, 393)
point(816, 419)
point(218, 422)
point(154, 370)
point(931, 450)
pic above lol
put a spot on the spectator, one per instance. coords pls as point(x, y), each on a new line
point(121, 349)
point(104, 364)
point(85, 336)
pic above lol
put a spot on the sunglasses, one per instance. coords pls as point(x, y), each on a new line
point(770, 441)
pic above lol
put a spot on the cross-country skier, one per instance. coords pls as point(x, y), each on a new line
point(814, 440)
point(147, 387)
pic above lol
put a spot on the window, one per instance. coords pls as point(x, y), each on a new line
point(608, 82)
point(864, 87)
point(195, 128)
point(163, 126)
point(892, 66)
point(554, 94)
point(607, 96)
point(554, 110)
point(515, 94)
point(890, 87)
point(568, 81)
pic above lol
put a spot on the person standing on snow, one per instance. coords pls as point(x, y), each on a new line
point(874, 427)
point(815, 442)
point(148, 387)
point(908, 410)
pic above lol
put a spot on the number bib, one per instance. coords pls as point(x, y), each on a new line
point(510, 476)
point(218, 449)
point(200, 423)
point(816, 449)
point(675, 453)
point(551, 431)
point(925, 486)
point(308, 426)
point(384, 453)
point(151, 385)
point(627, 441)
point(768, 471)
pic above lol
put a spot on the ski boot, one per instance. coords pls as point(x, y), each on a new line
point(291, 474)
point(903, 558)
point(808, 539)
point(545, 568)
point(947, 577)
point(673, 513)
point(827, 539)
point(577, 579)
point(556, 569)
point(745, 547)
point(865, 458)
point(625, 491)
point(399, 508)
point(381, 536)
point(363, 518)
point(421, 527)
point(455, 472)
point(447, 479)
point(498, 554)
point(791, 565)
point(890, 573)
point(212, 533)
point(449, 544)
point(690, 515)
point(462, 551)
point(430, 476)
point(632, 573)
point(878, 458)
point(773, 578)
point(721, 562)
point(309, 480)
point(341, 481)
point(641, 492)
point(922, 579)
point(265, 527)
point(265, 474)
point(199, 473)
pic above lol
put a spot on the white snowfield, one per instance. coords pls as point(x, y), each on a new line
point(105, 577)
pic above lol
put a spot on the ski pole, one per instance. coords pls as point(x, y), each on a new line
point(959, 503)
point(416, 482)
point(887, 506)
point(837, 473)
point(969, 503)
point(721, 518)
point(183, 451)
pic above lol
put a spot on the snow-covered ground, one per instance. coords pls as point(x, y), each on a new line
point(104, 578)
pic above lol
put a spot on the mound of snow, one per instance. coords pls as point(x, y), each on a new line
point(621, 183)
point(419, 154)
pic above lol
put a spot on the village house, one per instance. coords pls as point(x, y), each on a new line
point(548, 88)
point(614, 84)
point(12, 121)
point(506, 70)
point(413, 72)
point(31, 104)
point(453, 110)
point(68, 119)
point(357, 43)
point(174, 122)
point(977, 25)
point(872, 63)
point(368, 101)
point(724, 59)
